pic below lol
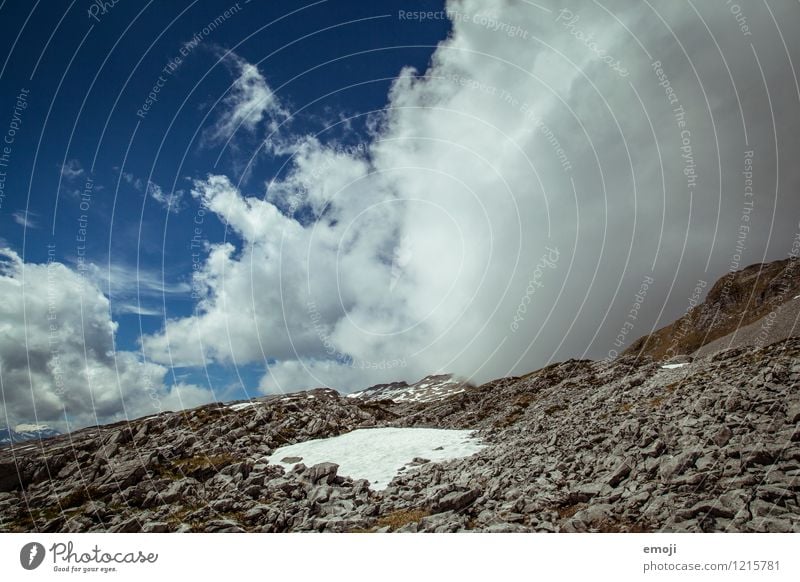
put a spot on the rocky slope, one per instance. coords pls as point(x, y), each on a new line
point(577, 446)
point(735, 301)
point(780, 323)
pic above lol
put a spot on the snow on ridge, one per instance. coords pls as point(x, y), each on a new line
point(26, 432)
point(429, 389)
point(673, 366)
point(32, 428)
point(378, 454)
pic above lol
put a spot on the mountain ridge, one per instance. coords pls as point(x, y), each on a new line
point(736, 300)
point(430, 388)
point(26, 432)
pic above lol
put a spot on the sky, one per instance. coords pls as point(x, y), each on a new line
point(215, 201)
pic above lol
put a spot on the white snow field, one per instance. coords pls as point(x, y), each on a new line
point(673, 366)
point(378, 454)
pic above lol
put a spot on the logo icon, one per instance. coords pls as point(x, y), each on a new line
point(31, 555)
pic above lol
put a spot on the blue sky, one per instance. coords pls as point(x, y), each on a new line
point(87, 80)
point(212, 200)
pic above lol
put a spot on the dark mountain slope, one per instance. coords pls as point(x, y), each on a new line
point(736, 300)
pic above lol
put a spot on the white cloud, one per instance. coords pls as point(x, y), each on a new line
point(171, 201)
point(248, 102)
point(137, 183)
point(119, 279)
point(427, 240)
point(136, 309)
point(134, 290)
point(71, 170)
point(61, 362)
point(25, 218)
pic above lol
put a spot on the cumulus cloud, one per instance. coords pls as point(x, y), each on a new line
point(509, 203)
point(58, 362)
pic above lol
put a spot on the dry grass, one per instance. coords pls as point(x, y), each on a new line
point(396, 520)
point(520, 404)
point(609, 526)
point(570, 510)
point(624, 408)
point(524, 400)
point(199, 466)
point(555, 408)
point(202, 461)
point(77, 497)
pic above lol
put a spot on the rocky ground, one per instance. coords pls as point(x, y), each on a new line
point(578, 446)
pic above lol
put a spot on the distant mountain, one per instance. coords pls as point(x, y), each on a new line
point(737, 300)
point(26, 432)
point(429, 389)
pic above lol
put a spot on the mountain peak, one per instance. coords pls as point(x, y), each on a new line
point(428, 389)
point(26, 432)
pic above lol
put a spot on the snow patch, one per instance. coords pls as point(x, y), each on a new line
point(241, 405)
point(31, 428)
point(673, 366)
point(378, 454)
